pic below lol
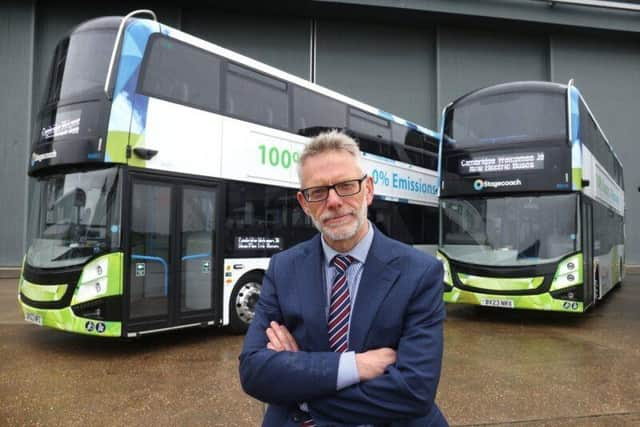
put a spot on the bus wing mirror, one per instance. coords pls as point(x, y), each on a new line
point(585, 183)
point(145, 153)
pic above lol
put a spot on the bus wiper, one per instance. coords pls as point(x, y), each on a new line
point(531, 251)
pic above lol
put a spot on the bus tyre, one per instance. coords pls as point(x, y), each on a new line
point(244, 299)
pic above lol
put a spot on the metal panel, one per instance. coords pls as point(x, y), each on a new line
point(388, 67)
point(534, 11)
point(280, 41)
point(16, 45)
point(606, 69)
point(470, 59)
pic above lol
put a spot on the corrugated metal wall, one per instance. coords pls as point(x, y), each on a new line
point(606, 69)
point(16, 60)
point(390, 67)
point(409, 68)
point(276, 40)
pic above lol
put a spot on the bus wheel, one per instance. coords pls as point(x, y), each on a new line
point(244, 299)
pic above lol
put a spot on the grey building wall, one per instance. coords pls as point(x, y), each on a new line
point(388, 66)
point(473, 58)
point(606, 69)
point(280, 41)
point(409, 58)
point(539, 12)
point(16, 46)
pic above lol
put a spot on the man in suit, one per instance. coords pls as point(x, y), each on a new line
point(348, 330)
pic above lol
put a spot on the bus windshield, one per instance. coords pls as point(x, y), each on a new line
point(77, 217)
point(506, 118)
point(80, 64)
point(509, 231)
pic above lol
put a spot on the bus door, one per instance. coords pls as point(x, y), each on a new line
point(171, 259)
point(587, 251)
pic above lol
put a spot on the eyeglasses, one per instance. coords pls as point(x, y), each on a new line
point(342, 189)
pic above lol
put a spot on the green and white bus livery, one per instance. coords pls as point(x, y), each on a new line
point(531, 200)
point(164, 177)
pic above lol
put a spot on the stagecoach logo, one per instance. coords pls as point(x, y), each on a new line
point(35, 158)
point(480, 184)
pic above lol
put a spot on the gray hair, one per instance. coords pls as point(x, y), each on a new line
point(330, 141)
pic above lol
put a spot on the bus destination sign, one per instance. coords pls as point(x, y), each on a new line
point(258, 242)
point(501, 163)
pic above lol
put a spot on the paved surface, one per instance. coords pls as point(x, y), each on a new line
point(501, 368)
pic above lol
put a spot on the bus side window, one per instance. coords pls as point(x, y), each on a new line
point(256, 97)
point(363, 123)
point(314, 112)
point(178, 72)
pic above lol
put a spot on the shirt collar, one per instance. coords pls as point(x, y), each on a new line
point(359, 251)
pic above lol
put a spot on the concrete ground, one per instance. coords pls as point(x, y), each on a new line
point(500, 368)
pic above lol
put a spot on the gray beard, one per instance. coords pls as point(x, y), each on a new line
point(347, 234)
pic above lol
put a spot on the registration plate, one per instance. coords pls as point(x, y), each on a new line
point(33, 318)
point(495, 302)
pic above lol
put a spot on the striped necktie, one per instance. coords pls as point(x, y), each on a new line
point(339, 311)
point(340, 305)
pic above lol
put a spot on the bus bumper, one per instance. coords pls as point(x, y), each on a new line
point(530, 302)
point(65, 319)
point(93, 305)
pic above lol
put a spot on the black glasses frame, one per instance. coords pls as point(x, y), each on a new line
point(306, 191)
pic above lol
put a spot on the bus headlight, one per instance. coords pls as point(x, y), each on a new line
point(93, 282)
point(447, 271)
point(568, 273)
point(91, 290)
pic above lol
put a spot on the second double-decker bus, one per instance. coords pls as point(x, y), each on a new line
point(164, 174)
point(531, 200)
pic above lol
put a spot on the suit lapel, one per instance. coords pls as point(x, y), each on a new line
point(310, 286)
point(377, 279)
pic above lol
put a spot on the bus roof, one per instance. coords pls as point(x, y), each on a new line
point(265, 68)
point(103, 23)
point(112, 22)
point(532, 86)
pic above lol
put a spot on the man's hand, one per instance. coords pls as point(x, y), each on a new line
point(372, 363)
point(280, 339)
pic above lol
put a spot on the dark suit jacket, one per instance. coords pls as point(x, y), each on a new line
point(399, 305)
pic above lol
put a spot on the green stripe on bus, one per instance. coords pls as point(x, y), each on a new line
point(117, 142)
point(576, 176)
point(116, 146)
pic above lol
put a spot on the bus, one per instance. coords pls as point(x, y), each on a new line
point(163, 170)
point(531, 200)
